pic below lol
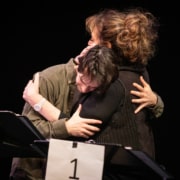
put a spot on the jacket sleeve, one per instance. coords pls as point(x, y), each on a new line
point(158, 109)
point(48, 129)
point(54, 92)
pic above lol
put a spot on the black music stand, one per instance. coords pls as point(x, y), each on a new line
point(133, 164)
point(129, 164)
point(17, 135)
point(20, 138)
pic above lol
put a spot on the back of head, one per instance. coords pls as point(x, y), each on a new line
point(100, 64)
point(132, 33)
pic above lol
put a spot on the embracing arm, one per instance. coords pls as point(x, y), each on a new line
point(147, 98)
point(48, 118)
point(32, 96)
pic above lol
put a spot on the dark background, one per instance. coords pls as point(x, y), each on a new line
point(38, 34)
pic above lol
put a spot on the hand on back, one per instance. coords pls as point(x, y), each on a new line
point(145, 96)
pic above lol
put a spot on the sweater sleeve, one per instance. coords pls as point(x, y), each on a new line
point(103, 107)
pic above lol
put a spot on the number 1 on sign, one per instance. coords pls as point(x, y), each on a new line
point(75, 169)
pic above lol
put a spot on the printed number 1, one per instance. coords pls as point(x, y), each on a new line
point(75, 169)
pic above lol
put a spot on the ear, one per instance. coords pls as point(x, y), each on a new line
point(108, 44)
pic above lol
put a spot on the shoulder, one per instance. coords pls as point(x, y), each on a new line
point(58, 68)
point(117, 89)
point(58, 72)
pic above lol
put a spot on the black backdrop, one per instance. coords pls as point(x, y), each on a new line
point(38, 34)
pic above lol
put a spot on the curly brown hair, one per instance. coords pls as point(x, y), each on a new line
point(132, 33)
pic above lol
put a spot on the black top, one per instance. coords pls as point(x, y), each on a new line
point(115, 109)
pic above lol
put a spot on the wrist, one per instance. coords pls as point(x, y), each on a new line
point(35, 99)
point(38, 106)
point(67, 127)
point(154, 102)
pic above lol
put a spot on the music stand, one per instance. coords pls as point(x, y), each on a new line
point(17, 135)
point(20, 138)
point(127, 162)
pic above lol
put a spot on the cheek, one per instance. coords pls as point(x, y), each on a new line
point(79, 84)
point(78, 81)
point(81, 87)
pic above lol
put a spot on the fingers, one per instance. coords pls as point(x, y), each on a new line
point(139, 108)
point(92, 121)
point(139, 100)
point(135, 93)
point(144, 94)
point(91, 128)
point(28, 84)
point(79, 107)
point(88, 131)
point(136, 101)
point(82, 127)
point(36, 80)
point(83, 130)
point(84, 51)
point(78, 110)
point(143, 81)
point(137, 86)
point(141, 87)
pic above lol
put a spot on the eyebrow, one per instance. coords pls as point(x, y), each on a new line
point(87, 84)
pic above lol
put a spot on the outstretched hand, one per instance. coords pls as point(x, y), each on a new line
point(146, 97)
point(82, 127)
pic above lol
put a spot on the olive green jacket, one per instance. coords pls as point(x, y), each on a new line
point(57, 85)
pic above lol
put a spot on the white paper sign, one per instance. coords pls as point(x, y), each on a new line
point(68, 160)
